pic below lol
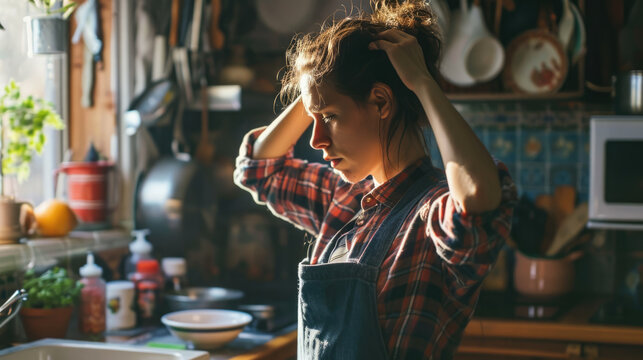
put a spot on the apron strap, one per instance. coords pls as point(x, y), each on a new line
point(381, 242)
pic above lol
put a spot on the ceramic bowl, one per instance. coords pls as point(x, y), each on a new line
point(206, 328)
point(536, 63)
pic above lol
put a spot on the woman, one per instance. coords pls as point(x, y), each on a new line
point(401, 247)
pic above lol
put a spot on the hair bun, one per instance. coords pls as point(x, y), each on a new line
point(409, 15)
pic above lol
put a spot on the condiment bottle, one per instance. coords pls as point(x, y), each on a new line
point(91, 315)
point(175, 271)
point(140, 249)
point(149, 282)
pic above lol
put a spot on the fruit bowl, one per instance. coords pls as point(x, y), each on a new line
point(206, 328)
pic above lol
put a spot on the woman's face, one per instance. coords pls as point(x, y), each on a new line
point(348, 134)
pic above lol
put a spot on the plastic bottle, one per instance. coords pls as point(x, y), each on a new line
point(175, 271)
point(148, 282)
point(140, 249)
point(91, 315)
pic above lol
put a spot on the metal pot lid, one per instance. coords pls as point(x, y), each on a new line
point(205, 294)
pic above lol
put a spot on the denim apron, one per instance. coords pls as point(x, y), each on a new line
point(337, 310)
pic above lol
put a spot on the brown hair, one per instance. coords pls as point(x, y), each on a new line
point(339, 55)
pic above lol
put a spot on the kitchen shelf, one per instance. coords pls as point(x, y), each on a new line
point(572, 89)
point(43, 252)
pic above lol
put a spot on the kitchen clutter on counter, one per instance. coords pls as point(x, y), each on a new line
point(548, 235)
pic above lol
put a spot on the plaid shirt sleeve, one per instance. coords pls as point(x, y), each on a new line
point(429, 296)
point(293, 189)
point(470, 242)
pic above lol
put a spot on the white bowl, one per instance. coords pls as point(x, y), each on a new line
point(206, 328)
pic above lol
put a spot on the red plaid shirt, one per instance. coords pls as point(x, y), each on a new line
point(429, 282)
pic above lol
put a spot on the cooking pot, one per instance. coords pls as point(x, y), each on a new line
point(627, 93)
point(544, 278)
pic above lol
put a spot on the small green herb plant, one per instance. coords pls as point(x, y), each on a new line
point(53, 6)
point(22, 130)
point(52, 289)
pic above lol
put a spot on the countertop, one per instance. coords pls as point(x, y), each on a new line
point(249, 345)
point(575, 320)
point(572, 324)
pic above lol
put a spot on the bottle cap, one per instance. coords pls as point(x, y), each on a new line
point(140, 245)
point(174, 266)
point(147, 266)
point(90, 269)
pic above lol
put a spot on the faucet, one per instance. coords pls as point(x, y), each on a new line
point(18, 296)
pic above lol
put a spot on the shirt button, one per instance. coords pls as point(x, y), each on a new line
point(368, 199)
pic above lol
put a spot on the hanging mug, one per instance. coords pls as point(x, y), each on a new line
point(16, 220)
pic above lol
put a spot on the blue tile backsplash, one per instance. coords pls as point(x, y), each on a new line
point(542, 147)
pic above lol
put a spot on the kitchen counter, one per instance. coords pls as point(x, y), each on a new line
point(250, 345)
point(571, 332)
point(568, 319)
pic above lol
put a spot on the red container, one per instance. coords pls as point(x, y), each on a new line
point(89, 189)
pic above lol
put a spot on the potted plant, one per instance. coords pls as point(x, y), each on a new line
point(22, 123)
point(47, 311)
point(47, 32)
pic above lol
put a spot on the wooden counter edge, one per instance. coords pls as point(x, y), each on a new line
point(555, 331)
point(281, 347)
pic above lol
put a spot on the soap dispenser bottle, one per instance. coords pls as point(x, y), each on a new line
point(91, 316)
point(140, 249)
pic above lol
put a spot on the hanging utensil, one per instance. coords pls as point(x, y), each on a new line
point(205, 149)
point(217, 38)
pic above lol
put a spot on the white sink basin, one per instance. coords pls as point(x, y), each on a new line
point(55, 349)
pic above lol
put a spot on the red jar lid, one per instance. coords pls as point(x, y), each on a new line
point(147, 285)
point(147, 266)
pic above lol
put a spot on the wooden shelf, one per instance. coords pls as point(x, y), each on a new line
point(573, 88)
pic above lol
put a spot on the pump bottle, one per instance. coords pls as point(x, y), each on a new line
point(140, 249)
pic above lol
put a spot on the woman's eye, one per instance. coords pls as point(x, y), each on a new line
point(328, 118)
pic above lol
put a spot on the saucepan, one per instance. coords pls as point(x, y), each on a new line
point(627, 92)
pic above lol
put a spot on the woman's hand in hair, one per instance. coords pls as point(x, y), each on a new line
point(405, 54)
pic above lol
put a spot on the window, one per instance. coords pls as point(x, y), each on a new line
point(40, 76)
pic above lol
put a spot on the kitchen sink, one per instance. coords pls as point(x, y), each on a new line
point(55, 349)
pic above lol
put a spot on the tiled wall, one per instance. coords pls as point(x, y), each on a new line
point(543, 146)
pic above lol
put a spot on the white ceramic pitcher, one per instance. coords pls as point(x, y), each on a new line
point(471, 54)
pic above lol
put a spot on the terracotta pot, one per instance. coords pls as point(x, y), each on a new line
point(45, 323)
point(544, 277)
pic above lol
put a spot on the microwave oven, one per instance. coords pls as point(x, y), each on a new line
point(616, 172)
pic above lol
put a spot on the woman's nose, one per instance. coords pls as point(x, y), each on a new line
point(319, 139)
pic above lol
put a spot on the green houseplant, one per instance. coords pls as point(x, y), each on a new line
point(22, 123)
point(47, 311)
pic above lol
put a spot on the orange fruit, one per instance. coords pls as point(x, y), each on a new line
point(55, 218)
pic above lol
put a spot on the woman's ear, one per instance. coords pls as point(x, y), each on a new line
point(382, 96)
